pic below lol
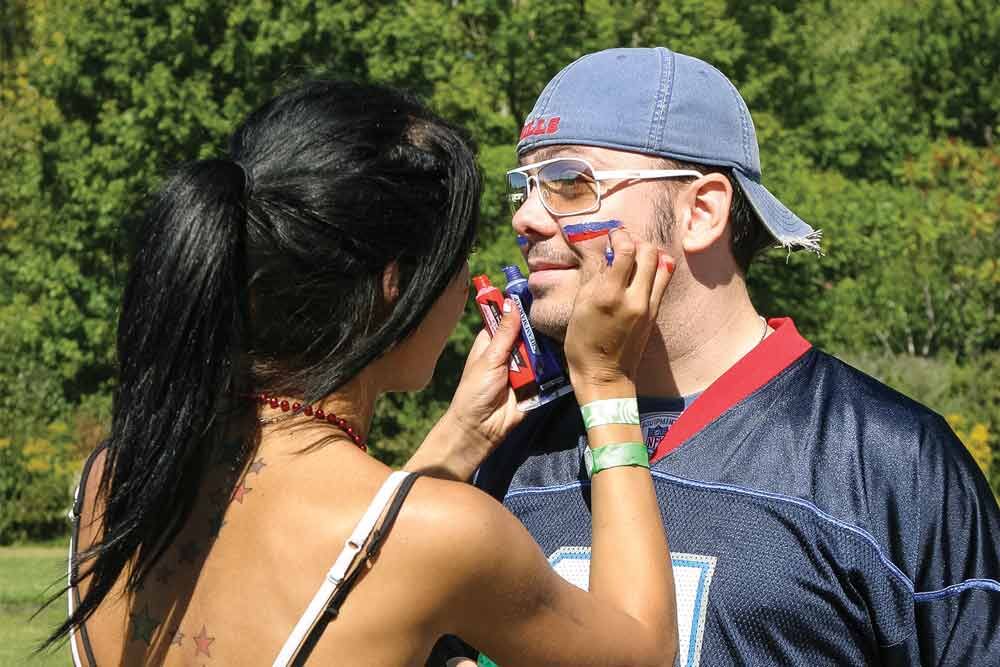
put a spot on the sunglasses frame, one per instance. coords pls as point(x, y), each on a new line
point(598, 175)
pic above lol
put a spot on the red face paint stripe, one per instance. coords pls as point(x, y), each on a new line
point(775, 353)
point(585, 236)
point(589, 230)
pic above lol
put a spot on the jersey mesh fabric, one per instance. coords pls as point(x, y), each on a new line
point(823, 520)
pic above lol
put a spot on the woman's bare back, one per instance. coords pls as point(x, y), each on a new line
point(233, 584)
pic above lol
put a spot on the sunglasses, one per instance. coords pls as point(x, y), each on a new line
point(571, 186)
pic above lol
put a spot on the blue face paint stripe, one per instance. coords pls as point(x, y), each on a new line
point(589, 227)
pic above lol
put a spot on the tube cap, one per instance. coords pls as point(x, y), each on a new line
point(481, 283)
point(512, 273)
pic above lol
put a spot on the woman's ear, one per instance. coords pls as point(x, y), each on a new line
point(390, 282)
point(705, 211)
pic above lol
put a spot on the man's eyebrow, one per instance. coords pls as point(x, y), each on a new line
point(543, 154)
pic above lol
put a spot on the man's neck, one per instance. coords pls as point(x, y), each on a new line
point(691, 348)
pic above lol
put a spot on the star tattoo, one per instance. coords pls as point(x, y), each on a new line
point(257, 466)
point(241, 491)
point(143, 625)
point(202, 641)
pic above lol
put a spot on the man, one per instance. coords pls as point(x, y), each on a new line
point(815, 516)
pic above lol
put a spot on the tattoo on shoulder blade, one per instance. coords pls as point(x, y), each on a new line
point(143, 625)
point(240, 491)
point(202, 642)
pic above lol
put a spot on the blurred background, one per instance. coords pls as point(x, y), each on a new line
point(878, 123)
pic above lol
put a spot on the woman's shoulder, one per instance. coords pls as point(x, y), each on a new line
point(456, 535)
point(444, 511)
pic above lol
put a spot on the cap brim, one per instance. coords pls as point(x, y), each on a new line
point(786, 227)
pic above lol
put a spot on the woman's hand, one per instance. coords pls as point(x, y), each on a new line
point(612, 316)
point(483, 410)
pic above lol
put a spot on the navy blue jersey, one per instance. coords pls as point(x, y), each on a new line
point(815, 517)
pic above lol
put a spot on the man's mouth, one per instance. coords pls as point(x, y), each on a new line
point(547, 265)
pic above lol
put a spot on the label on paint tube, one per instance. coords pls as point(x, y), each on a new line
point(491, 315)
point(529, 333)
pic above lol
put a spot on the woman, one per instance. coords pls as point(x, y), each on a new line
point(274, 295)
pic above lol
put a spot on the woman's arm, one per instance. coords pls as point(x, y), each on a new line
point(505, 598)
point(482, 412)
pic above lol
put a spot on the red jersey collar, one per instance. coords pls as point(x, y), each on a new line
point(774, 354)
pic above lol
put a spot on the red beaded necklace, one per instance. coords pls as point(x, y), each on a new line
point(316, 413)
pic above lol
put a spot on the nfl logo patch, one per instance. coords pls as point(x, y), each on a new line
point(654, 426)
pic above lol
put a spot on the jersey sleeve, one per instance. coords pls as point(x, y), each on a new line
point(957, 578)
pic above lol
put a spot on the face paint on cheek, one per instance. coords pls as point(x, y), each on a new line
point(592, 230)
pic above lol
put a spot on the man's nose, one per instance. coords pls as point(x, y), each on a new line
point(533, 220)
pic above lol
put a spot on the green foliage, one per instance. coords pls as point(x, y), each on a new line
point(911, 263)
point(877, 122)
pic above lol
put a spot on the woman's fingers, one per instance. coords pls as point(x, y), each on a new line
point(645, 272)
point(664, 271)
point(624, 249)
point(498, 352)
point(479, 346)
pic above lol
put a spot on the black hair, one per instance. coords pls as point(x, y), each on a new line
point(747, 234)
point(262, 272)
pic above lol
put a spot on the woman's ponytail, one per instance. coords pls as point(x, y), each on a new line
point(181, 337)
point(348, 178)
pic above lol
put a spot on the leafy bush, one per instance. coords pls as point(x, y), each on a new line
point(39, 472)
point(877, 122)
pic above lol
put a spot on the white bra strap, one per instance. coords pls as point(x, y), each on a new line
point(340, 568)
point(69, 576)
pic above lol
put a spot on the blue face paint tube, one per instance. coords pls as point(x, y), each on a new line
point(542, 352)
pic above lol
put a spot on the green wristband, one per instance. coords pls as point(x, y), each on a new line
point(615, 455)
point(610, 411)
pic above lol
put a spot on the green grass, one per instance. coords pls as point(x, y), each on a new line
point(26, 577)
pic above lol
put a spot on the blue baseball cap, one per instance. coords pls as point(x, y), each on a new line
point(657, 102)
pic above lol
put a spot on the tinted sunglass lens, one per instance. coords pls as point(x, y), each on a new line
point(517, 190)
point(568, 186)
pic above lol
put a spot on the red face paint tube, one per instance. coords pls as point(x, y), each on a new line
point(522, 378)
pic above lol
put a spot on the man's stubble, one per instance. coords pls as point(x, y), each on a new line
point(550, 314)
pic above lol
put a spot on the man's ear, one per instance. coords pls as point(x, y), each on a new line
point(704, 211)
point(390, 282)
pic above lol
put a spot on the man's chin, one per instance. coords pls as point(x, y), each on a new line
point(550, 319)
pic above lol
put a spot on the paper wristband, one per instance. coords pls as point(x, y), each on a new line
point(614, 456)
point(611, 411)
